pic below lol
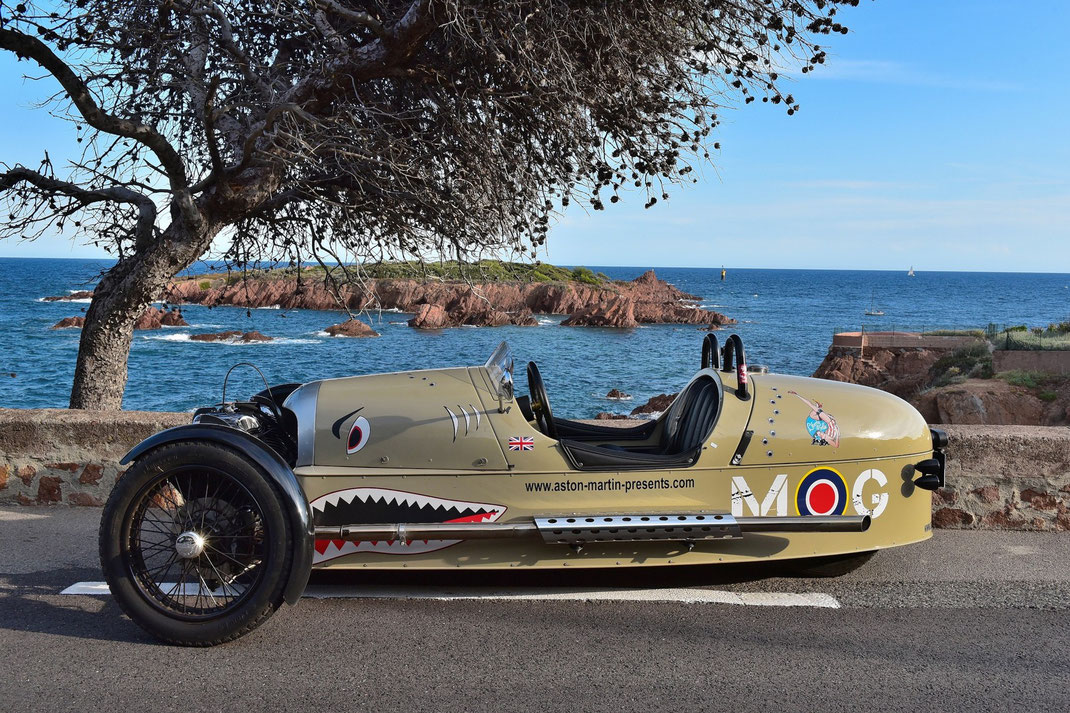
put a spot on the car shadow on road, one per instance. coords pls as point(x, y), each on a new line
point(623, 578)
point(32, 603)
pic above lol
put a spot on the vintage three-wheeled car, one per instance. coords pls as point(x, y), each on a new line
point(218, 522)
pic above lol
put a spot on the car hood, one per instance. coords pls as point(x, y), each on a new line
point(797, 420)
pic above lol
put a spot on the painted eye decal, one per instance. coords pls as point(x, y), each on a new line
point(358, 435)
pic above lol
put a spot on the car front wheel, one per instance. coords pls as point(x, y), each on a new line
point(194, 544)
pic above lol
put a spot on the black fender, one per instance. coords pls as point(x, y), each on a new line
point(295, 503)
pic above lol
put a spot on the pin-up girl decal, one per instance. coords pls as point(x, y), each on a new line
point(820, 424)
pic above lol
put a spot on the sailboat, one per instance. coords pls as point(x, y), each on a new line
point(910, 273)
point(873, 311)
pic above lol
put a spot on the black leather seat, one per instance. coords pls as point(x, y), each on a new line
point(689, 421)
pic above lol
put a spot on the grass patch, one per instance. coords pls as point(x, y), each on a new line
point(1045, 386)
point(1028, 379)
point(479, 272)
point(978, 333)
point(206, 285)
point(1032, 340)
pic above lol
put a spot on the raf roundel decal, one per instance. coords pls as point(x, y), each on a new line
point(358, 435)
point(822, 491)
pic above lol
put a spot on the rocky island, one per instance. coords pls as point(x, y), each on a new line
point(483, 294)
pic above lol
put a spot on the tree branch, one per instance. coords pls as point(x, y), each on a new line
point(146, 208)
point(26, 46)
point(361, 18)
point(377, 59)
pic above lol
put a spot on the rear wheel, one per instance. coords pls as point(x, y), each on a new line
point(832, 566)
point(194, 544)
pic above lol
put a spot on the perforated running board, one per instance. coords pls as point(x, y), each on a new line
point(579, 529)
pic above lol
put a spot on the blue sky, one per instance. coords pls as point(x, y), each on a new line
point(936, 135)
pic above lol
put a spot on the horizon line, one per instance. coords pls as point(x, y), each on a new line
point(648, 266)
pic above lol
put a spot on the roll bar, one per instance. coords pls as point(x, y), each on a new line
point(733, 348)
point(711, 351)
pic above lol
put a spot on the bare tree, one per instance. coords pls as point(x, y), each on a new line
point(349, 129)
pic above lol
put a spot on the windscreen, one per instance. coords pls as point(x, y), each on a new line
point(500, 368)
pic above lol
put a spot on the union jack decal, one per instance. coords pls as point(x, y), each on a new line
point(521, 443)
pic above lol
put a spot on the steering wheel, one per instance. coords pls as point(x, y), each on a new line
point(540, 403)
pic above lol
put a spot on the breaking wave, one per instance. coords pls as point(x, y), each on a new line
point(185, 337)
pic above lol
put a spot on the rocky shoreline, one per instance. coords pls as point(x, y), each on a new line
point(439, 304)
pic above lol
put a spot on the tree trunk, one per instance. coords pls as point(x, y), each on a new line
point(123, 294)
point(100, 373)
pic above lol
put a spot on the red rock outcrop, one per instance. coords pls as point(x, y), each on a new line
point(69, 323)
point(173, 318)
point(651, 300)
point(614, 312)
point(234, 335)
point(80, 295)
point(898, 370)
point(656, 404)
point(351, 328)
point(154, 318)
point(618, 395)
point(432, 316)
point(991, 402)
point(606, 416)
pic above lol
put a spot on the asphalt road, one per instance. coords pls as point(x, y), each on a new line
point(967, 621)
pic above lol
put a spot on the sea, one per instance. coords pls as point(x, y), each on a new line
point(786, 319)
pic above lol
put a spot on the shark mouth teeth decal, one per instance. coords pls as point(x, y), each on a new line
point(369, 506)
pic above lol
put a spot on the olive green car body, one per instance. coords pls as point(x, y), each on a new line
point(453, 441)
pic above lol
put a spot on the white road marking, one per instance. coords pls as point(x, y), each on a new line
point(678, 595)
point(87, 588)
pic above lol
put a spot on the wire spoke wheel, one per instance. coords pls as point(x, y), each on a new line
point(196, 542)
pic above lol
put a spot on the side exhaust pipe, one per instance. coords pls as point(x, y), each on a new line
point(806, 523)
point(582, 529)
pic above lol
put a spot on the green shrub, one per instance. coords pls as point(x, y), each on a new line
point(1048, 396)
point(585, 275)
point(206, 285)
point(972, 361)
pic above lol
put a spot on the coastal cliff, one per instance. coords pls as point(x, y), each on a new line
point(954, 385)
point(445, 303)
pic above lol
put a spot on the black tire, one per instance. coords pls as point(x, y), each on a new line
point(246, 553)
point(832, 566)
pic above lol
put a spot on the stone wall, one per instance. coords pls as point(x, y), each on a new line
point(1006, 477)
point(900, 339)
point(57, 456)
point(999, 477)
point(1050, 362)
